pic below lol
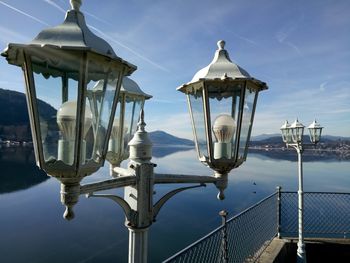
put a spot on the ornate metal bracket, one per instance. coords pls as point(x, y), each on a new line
point(130, 214)
point(165, 198)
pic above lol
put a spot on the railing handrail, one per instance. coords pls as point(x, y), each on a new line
point(315, 192)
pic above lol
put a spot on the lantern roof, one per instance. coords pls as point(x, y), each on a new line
point(128, 86)
point(131, 87)
point(315, 125)
point(73, 33)
point(222, 68)
point(285, 125)
point(296, 124)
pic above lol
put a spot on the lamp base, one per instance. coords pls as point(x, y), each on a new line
point(222, 150)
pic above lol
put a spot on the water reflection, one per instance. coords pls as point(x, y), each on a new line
point(160, 151)
point(32, 228)
point(18, 169)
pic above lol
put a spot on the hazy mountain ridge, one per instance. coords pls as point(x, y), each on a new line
point(163, 138)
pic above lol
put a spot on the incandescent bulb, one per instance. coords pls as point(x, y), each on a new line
point(224, 127)
point(66, 120)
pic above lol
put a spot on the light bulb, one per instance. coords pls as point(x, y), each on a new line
point(224, 128)
point(66, 120)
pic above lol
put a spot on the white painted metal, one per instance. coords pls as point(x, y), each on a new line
point(221, 67)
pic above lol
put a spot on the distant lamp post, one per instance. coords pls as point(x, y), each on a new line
point(292, 135)
point(130, 102)
point(222, 98)
point(61, 66)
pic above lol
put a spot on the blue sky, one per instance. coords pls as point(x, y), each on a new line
point(300, 48)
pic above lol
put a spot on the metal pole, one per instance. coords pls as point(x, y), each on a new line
point(224, 247)
point(140, 195)
point(301, 254)
point(138, 245)
point(279, 211)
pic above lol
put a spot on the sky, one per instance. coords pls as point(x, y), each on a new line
point(301, 49)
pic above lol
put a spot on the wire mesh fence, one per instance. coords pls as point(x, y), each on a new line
point(326, 215)
point(248, 234)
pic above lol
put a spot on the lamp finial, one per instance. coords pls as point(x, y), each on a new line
point(221, 44)
point(75, 4)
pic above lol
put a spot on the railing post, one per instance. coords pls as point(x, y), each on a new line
point(279, 188)
point(224, 247)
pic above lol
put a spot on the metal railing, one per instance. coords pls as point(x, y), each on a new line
point(327, 215)
point(248, 234)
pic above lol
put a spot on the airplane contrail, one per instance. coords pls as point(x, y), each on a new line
point(24, 13)
point(129, 49)
point(92, 27)
point(50, 2)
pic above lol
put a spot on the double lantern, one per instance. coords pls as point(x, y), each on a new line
point(222, 98)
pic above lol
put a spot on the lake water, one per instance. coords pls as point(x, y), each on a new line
point(32, 228)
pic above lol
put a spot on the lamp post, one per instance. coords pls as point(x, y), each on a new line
point(292, 135)
point(222, 98)
point(84, 76)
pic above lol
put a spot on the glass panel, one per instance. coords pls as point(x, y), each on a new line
point(57, 114)
point(114, 143)
point(132, 112)
point(224, 108)
point(198, 122)
point(101, 91)
point(297, 134)
point(248, 110)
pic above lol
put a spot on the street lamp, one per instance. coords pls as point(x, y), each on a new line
point(222, 98)
point(73, 85)
point(61, 67)
point(292, 135)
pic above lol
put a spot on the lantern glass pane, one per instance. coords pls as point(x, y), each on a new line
point(315, 134)
point(285, 136)
point(246, 123)
point(100, 96)
point(132, 112)
point(195, 100)
point(297, 134)
point(115, 141)
point(224, 109)
point(56, 105)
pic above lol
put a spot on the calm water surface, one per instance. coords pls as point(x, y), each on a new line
point(32, 228)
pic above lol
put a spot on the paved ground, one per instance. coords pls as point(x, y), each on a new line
point(317, 251)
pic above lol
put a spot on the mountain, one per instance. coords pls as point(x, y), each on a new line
point(14, 120)
point(162, 138)
point(264, 136)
